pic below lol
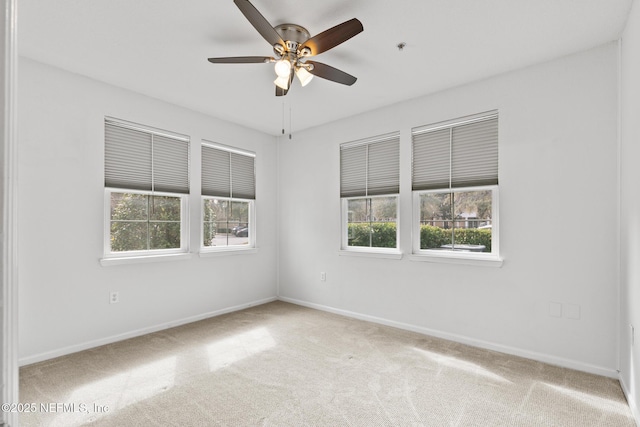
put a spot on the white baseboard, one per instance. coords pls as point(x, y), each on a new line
point(635, 411)
point(132, 334)
point(541, 357)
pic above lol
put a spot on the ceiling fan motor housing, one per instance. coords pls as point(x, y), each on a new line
point(293, 33)
point(293, 36)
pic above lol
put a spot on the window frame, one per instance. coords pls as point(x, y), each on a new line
point(251, 244)
point(438, 254)
point(149, 255)
point(184, 226)
point(492, 258)
point(366, 190)
point(344, 246)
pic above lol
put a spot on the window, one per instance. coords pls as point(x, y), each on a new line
point(145, 222)
point(228, 189)
point(455, 187)
point(146, 187)
point(369, 187)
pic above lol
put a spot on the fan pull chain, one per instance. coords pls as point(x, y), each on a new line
point(283, 117)
point(290, 123)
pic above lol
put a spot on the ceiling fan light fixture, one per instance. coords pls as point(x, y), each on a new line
point(303, 75)
point(282, 82)
point(283, 69)
point(292, 44)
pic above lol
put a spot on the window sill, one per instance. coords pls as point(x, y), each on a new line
point(370, 253)
point(106, 262)
point(230, 251)
point(447, 257)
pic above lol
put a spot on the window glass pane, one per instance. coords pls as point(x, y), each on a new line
point(358, 223)
point(127, 206)
point(383, 224)
point(226, 222)
point(239, 223)
point(472, 223)
point(164, 235)
point(141, 222)
point(459, 221)
point(218, 214)
point(209, 222)
point(435, 220)
point(129, 214)
point(128, 236)
point(371, 222)
point(164, 208)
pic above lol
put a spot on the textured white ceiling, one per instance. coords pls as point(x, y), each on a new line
point(159, 48)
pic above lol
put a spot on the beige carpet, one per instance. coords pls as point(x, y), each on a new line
point(283, 365)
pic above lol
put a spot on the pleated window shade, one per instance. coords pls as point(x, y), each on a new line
point(228, 174)
point(370, 168)
point(137, 159)
point(456, 156)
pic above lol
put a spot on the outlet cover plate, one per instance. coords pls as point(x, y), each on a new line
point(114, 298)
point(555, 309)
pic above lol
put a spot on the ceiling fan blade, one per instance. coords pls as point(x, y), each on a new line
point(333, 36)
point(259, 22)
point(241, 60)
point(327, 72)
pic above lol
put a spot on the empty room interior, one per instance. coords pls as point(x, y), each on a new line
point(430, 190)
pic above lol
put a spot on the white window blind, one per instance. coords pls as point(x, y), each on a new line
point(227, 173)
point(370, 167)
point(138, 159)
point(462, 154)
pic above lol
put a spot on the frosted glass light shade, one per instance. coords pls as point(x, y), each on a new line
point(304, 76)
point(282, 82)
point(283, 68)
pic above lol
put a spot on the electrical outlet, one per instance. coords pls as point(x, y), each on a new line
point(323, 276)
point(114, 298)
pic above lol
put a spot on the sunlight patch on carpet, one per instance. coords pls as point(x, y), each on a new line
point(463, 365)
point(230, 350)
point(119, 391)
point(592, 400)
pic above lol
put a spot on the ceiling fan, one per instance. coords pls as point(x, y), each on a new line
point(292, 45)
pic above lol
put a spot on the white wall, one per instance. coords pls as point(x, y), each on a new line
point(64, 291)
point(558, 213)
point(630, 209)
